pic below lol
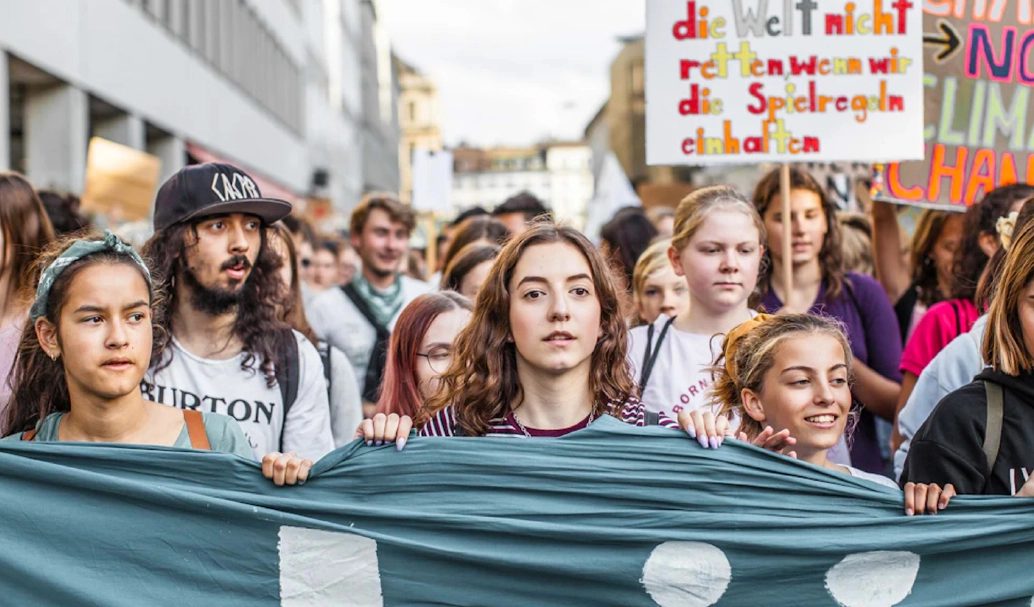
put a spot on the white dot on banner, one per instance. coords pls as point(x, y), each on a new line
point(324, 568)
point(873, 579)
point(686, 574)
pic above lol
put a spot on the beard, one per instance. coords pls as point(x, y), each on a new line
point(214, 301)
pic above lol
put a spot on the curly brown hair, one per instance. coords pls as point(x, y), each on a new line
point(257, 326)
point(39, 387)
point(831, 255)
point(482, 384)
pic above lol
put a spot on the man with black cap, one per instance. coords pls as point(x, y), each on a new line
point(227, 352)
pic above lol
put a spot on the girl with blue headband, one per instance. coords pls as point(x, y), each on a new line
point(90, 339)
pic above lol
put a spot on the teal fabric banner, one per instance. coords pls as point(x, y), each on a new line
point(611, 515)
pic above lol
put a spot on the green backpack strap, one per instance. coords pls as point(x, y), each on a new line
point(993, 431)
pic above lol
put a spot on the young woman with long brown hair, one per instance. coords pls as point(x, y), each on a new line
point(26, 229)
point(544, 354)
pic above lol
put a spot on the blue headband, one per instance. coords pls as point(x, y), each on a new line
point(78, 250)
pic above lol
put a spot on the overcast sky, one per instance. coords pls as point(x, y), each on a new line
point(513, 72)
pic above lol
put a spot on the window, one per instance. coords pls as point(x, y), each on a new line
point(412, 112)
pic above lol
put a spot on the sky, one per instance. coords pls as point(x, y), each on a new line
point(514, 72)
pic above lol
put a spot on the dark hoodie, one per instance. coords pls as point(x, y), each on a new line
point(949, 447)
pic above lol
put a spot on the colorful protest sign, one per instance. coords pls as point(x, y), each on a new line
point(611, 515)
point(747, 81)
point(979, 128)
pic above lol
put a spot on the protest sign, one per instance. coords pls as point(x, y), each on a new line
point(979, 127)
point(747, 81)
point(120, 181)
point(610, 515)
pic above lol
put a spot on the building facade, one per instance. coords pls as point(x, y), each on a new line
point(559, 174)
point(274, 86)
point(420, 119)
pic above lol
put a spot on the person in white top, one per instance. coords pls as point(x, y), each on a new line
point(228, 352)
point(718, 246)
point(656, 288)
point(791, 372)
point(358, 318)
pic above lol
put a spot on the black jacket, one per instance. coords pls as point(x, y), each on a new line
point(948, 448)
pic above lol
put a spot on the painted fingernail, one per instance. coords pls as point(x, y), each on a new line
point(721, 439)
point(691, 431)
point(400, 443)
point(702, 440)
point(713, 442)
point(379, 443)
point(301, 482)
point(369, 443)
point(909, 512)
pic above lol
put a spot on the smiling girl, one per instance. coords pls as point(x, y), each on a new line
point(792, 373)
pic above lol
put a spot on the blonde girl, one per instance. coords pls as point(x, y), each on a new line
point(656, 288)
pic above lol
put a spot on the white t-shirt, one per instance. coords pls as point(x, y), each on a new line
point(680, 378)
point(869, 476)
point(337, 321)
point(221, 386)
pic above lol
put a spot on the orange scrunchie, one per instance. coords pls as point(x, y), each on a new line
point(732, 340)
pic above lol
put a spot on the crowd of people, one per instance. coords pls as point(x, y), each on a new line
point(239, 327)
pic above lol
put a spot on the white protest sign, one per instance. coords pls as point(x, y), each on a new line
point(432, 181)
point(748, 81)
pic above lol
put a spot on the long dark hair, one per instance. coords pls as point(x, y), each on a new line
point(982, 218)
point(26, 230)
point(924, 272)
point(257, 326)
point(831, 255)
point(39, 387)
point(482, 382)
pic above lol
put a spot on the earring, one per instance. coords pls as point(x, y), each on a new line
point(53, 356)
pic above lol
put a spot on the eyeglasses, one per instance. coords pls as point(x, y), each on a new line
point(438, 358)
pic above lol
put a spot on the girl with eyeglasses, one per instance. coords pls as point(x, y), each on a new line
point(420, 350)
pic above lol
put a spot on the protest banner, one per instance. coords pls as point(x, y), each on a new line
point(750, 81)
point(610, 515)
point(979, 128)
point(120, 181)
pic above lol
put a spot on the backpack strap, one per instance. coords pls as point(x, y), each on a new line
point(324, 350)
point(993, 430)
point(196, 430)
point(379, 354)
point(288, 374)
point(652, 353)
point(29, 434)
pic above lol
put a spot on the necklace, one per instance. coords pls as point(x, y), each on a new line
point(592, 416)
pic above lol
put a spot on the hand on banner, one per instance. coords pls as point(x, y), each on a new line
point(286, 468)
point(770, 440)
point(921, 498)
point(709, 430)
point(385, 429)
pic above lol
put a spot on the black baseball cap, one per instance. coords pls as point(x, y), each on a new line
point(203, 190)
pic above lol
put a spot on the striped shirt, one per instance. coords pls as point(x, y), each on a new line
point(444, 423)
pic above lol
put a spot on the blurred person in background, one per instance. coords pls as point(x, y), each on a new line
point(358, 318)
point(26, 230)
point(469, 269)
point(518, 210)
point(326, 269)
point(63, 211)
point(445, 240)
point(415, 266)
point(349, 262)
point(421, 350)
point(624, 238)
point(856, 231)
point(346, 404)
point(304, 237)
point(483, 229)
point(663, 218)
point(656, 288)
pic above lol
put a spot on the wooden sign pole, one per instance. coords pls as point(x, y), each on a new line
point(784, 183)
